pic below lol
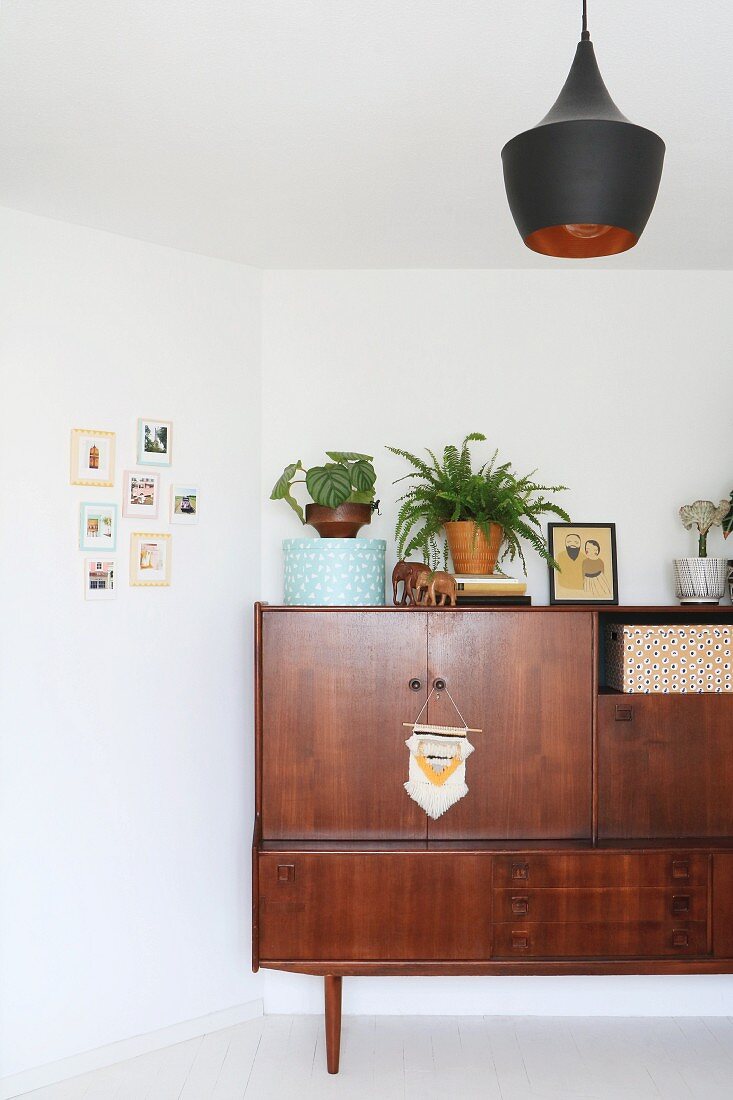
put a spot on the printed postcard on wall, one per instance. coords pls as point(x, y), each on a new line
point(586, 557)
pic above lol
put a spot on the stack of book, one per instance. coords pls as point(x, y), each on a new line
point(490, 590)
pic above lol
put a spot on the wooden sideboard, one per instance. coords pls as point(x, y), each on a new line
point(596, 837)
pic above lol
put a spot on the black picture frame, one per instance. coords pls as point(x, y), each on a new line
point(579, 529)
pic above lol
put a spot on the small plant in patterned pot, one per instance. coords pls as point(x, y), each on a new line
point(702, 579)
point(342, 492)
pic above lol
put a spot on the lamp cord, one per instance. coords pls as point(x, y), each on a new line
point(586, 33)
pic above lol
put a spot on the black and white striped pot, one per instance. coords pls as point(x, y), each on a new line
point(700, 580)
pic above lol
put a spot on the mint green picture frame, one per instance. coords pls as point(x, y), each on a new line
point(151, 458)
point(93, 547)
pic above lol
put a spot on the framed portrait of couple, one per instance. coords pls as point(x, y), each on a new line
point(586, 558)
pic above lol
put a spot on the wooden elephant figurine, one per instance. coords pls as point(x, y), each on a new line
point(437, 589)
point(405, 572)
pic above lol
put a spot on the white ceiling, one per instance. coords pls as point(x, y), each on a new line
point(348, 133)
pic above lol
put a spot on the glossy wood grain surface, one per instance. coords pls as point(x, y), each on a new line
point(723, 904)
point(596, 837)
point(604, 903)
point(603, 938)
point(527, 682)
point(335, 692)
point(668, 771)
point(389, 906)
point(597, 869)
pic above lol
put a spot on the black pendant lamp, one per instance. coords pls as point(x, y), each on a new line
point(583, 182)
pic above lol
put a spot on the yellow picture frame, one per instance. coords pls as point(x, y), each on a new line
point(92, 451)
point(150, 559)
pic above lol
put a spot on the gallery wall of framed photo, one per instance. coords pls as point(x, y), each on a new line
point(150, 502)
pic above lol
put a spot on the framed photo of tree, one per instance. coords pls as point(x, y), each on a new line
point(586, 558)
point(154, 442)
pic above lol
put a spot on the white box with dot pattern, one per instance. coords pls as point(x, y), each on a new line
point(669, 659)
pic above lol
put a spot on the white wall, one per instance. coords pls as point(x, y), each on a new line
point(614, 383)
point(127, 758)
point(127, 761)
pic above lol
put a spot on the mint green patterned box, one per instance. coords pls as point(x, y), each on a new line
point(334, 572)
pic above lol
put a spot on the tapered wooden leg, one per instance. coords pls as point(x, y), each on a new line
point(332, 993)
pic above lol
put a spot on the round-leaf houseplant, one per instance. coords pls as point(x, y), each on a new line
point(486, 513)
point(342, 493)
point(702, 579)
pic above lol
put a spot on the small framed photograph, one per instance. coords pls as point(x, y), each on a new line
point(150, 559)
point(140, 494)
point(154, 442)
point(92, 457)
point(586, 556)
point(98, 527)
point(184, 504)
point(99, 579)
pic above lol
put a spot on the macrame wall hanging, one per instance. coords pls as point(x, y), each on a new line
point(438, 755)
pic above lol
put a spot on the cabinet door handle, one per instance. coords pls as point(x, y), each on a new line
point(680, 904)
point(415, 684)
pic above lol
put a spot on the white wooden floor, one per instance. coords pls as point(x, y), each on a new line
point(431, 1058)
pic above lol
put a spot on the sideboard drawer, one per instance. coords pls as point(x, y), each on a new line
point(604, 903)
point(597, 869)
point(390, 906)
point(635, 939)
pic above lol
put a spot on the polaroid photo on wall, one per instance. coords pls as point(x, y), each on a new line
point(99, 579)
point(184, 504)
point(140, 494)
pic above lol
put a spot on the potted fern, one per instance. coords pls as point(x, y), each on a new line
point(485, 514)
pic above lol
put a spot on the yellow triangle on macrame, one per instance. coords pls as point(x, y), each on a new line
point(438, 778)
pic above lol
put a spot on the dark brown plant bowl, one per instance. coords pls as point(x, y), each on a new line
point(343, 522)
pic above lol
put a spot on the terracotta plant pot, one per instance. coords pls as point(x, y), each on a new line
point(343, 522)
point(471, 551)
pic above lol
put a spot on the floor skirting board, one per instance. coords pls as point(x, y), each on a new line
point(77, 1064)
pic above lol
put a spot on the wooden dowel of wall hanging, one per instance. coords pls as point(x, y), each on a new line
point(411, 725)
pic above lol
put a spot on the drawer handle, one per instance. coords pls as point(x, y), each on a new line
point(624, 713)
point(520, 906)
point(520, 871)
point(680, 904)
point(520, 941)
point(285, 872)
point(680, 868)
point(680, 938)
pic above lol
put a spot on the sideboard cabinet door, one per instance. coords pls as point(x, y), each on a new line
point(335, 692)
point(526, 681)
point(391, 906)
point(665, 766)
